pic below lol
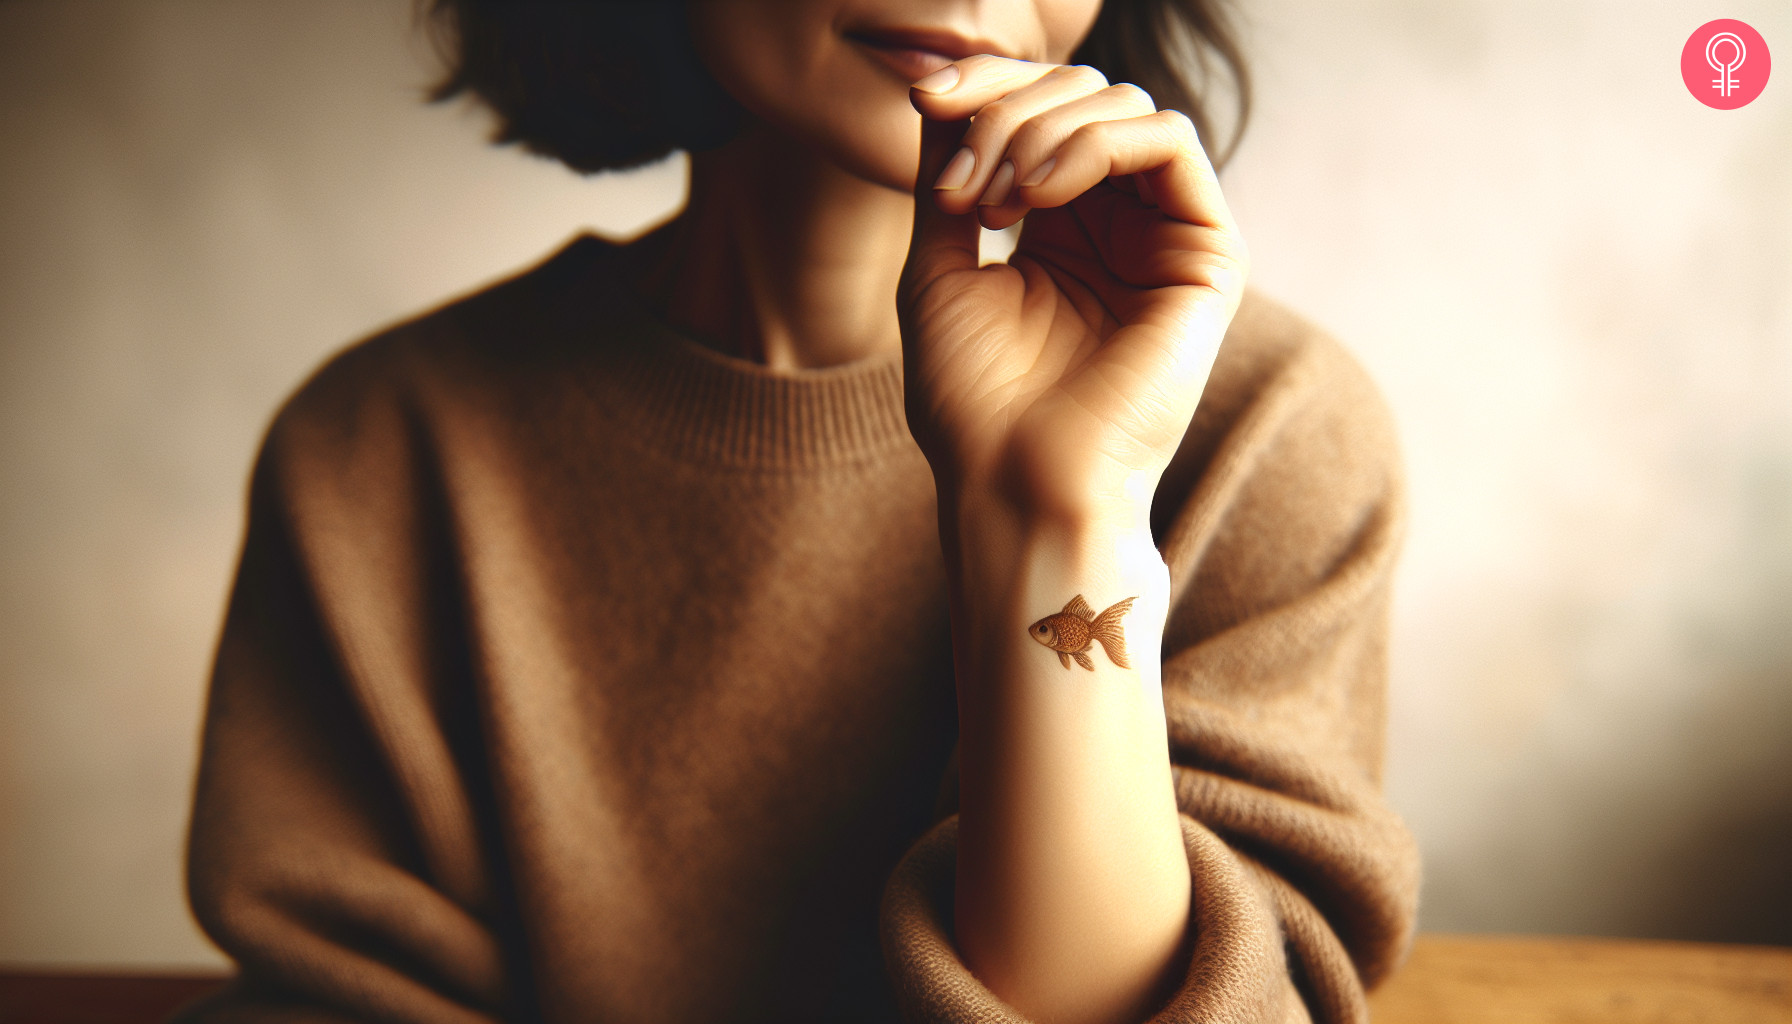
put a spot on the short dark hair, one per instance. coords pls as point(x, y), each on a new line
point(608, 84)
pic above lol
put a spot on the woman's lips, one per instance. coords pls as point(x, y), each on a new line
point(914, 54)
point(910, 65)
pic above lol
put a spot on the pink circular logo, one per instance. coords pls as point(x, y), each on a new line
point(1725, 63)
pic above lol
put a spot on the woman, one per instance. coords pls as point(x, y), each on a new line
point(651, 635)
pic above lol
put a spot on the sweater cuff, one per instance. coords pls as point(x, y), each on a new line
point(1236, 969)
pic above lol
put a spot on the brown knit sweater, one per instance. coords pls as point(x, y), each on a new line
point(577, 672)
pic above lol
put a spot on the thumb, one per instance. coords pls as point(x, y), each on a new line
point(942, 242)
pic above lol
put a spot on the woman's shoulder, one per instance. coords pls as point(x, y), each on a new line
point(466, 341)
point(1290, 421)
point(377, 395)
point(1273, 353)
point(1277, 367)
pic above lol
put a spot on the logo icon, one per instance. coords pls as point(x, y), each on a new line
point(1726, 79)
point(1725, 64)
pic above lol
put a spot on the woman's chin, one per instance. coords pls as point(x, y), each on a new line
point(882, 150)
point(885, 167)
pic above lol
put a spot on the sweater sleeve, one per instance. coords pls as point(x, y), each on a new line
point(332, 853)
point(1279, 519)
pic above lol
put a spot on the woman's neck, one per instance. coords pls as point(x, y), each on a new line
point(782, 257)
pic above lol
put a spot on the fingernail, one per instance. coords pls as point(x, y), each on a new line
point(997, 192)
point(958, 171)
point(940, 81)
point(1040, 173)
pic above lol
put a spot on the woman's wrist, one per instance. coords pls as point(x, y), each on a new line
point(984, 529)
point(1008, 569)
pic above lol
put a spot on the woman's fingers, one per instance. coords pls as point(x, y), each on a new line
point(977, 170)
point(1160, 148)
point(979, 80)
point(1042, 134)
point(1033, 146)
point(943, 241)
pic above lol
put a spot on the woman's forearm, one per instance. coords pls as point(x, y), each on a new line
point(1072, 882)
point(1049, 393)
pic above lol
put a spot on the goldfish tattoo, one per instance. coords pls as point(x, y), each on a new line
point(1071, 631)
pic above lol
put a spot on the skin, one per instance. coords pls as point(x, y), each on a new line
point(1048, 394)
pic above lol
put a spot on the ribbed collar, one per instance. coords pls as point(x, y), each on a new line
point(693, 402)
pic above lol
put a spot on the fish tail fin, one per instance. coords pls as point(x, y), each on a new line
point(1106, 628)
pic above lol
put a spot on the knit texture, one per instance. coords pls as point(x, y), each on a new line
point(577, 672)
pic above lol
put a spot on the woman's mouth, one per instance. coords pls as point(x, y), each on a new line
point(913, 54)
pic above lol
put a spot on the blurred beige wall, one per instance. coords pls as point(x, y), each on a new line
point(1573, 281)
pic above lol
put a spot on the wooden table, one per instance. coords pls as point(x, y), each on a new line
point(1451, 979)
point(1479, 979)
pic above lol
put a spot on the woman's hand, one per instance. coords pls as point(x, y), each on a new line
point(1061, 382)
